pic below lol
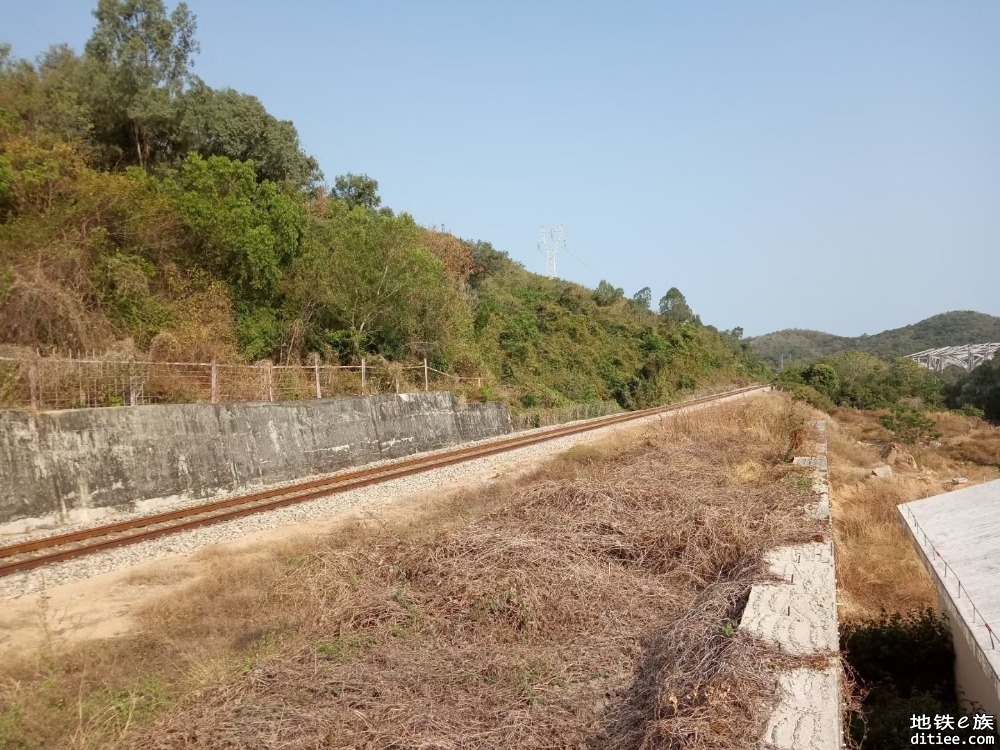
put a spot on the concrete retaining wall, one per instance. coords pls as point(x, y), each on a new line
point(67, 466)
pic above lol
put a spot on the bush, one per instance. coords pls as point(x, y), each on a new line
point(823, 378)
point(913, 651)
point(972, 411)
point(530, 400)
point(489, 394)
point(905, 663)
point(910, 424)
point(812, 397)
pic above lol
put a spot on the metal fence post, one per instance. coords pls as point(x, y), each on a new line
point(319, 388)
point(364, 375)
point(215, 383)
point(79, 384)
point(33, 381)
point(426, 388)
point(133, 396)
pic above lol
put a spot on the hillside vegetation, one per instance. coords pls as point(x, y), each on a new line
point(146, 213)
point(946, 329)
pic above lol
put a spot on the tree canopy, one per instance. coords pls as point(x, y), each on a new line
point(674, 307)
point(139, 61)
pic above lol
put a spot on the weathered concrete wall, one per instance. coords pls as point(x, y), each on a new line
point(481, 421)
point(410, 423)
point(66, 466)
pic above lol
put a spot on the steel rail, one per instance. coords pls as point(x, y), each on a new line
point(157, 525)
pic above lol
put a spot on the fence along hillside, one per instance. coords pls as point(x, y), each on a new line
point(73, 383)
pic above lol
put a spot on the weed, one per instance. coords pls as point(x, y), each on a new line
point(798, 479)
point(345, 647)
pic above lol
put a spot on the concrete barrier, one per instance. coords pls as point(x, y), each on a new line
point(67, 466)
point(796, 610)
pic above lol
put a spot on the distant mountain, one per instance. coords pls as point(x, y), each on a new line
point(946, 329)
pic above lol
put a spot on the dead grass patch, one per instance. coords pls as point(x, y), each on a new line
point(877, 567)
point(587, 608)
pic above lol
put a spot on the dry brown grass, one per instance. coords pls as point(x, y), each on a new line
point(877, 567)
point(589, 605)
point(968, 440)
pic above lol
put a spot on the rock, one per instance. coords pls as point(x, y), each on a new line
point(884, 472)
point(935, 443)
point(959, 480)
point(895, 455)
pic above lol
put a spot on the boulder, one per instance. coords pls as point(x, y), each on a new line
point(895, 454)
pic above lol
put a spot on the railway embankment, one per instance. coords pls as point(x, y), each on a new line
point(64, 467)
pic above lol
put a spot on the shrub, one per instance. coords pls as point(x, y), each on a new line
point(910, 424)
point(823, 378)
point(812, 397)
point(972, 411)
point(905, 664)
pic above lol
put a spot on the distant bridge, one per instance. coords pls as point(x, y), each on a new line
point(967, 356)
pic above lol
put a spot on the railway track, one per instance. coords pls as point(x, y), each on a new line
point(16, 558)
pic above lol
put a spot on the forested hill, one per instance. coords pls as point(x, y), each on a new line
point(145, 213)
point(946, 329)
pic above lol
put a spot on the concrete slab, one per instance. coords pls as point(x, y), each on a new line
point(798, 613)
point(812, 462)
point(796, 610)
point(808, 716)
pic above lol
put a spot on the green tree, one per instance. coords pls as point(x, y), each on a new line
point(486, 261)
point(356, 190)
point(674, 308)
point(367, 284)
point(242, 231)
point(910, 424)
point(140, 59)
point(823, 378)
point(46, 96)
point(642, 299)
point(225, 122)
point(864, 380)
point(980, 389)
point(607, 294)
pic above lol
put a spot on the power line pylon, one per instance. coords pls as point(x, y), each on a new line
point(550, 241)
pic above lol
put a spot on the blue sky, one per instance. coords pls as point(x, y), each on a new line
point(785, 164)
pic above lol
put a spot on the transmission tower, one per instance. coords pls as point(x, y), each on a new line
point(550, 241)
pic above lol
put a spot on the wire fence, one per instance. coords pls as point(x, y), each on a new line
point(71, 383)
